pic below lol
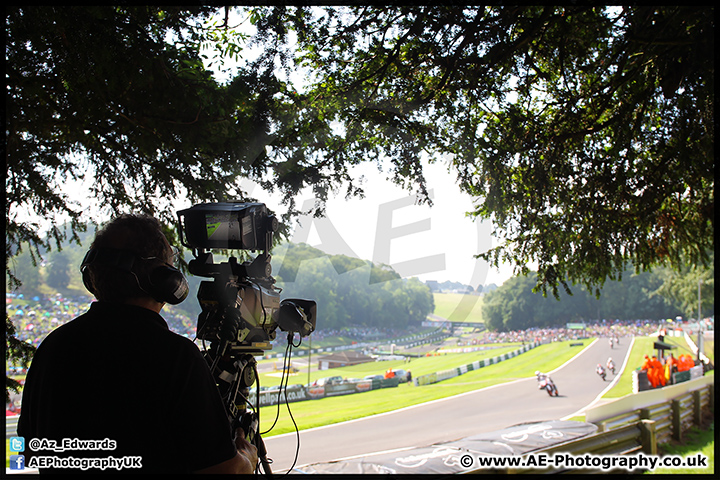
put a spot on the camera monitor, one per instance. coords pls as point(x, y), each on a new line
point(230, 225)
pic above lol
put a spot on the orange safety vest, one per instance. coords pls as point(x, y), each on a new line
point(659, 371)
point(646, 365)
point(686, 362)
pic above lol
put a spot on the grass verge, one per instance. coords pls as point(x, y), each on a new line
point(697, 442)
point(418, 366)
point(331, 410)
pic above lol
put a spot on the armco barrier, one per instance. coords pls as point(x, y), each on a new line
point(673, 409)
point(635, 423)
point(296, 393)
point(454, 372)
point(610, 414)
point(661, 414)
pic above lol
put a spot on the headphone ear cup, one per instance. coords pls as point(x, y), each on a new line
point(167, 284)
point(89, 258)
point(86, 280)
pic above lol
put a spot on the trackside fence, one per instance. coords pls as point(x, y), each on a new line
point(408, 341)
point(672, 418)
point(454, 372)
point(635, 430)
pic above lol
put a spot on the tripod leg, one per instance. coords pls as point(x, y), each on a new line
point(262, 454)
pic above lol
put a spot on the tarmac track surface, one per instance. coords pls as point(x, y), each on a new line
point(453, 418)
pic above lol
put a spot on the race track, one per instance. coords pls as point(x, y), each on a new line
point(485, 410)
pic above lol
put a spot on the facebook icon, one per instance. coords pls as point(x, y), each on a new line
point(17, 462)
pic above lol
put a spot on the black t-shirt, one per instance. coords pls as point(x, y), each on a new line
point(118, 373)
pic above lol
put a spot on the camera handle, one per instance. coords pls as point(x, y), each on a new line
point(237, 407)
point(249, 423)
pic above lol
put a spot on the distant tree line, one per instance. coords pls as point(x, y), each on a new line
point(358, 293)
point(648, 295)
point(349, 291)
point(450, 286)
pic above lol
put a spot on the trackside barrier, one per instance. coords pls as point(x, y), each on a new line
point(454, 372)
point(672, 407)
point(407, 342)
point(661, 414)
point(672, 418)
point(693, 346)
point(634, 424)
point(297, 393)
point(11, 425)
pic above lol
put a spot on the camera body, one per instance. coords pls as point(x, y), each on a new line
point(241, 307)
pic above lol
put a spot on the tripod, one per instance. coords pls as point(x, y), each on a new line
point(234, 374)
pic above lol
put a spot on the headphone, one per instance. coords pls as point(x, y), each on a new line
point(164, 283)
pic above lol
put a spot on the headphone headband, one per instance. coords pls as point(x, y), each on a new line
point(164, 283)
point(110, 257)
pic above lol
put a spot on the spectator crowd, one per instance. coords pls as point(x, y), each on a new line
point(36, 317)
point(604, 328)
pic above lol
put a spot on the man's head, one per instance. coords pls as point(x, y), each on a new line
point(130, 258)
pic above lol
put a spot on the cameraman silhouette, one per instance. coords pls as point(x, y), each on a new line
point(118, 376)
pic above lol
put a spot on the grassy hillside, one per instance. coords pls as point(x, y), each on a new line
point(458, 307)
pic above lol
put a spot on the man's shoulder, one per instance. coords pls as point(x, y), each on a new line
point(121, 323)
point(178, 342)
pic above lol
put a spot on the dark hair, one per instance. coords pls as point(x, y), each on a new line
point(143, 236)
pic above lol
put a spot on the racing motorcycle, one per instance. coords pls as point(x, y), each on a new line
point(611, 366)
point(600, 371)
point(548, 386)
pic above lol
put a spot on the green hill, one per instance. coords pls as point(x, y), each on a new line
point(458, 307)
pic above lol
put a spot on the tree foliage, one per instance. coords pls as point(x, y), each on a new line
point(351, 292)
point(645, 296)
point(586, 133)
point(120, 97)
point(690, 288)
point(58, 271)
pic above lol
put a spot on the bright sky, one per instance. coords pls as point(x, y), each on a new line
point(387, 226)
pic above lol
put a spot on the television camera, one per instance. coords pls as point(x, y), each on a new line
point(240, 307)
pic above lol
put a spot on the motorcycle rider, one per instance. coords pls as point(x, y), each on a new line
point(600, 370)
point(611, 365)
point(545, 377)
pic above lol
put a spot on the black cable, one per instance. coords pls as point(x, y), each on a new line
point(259, 444)
point(282, 378)
point(287, 405)
point(283, 387)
